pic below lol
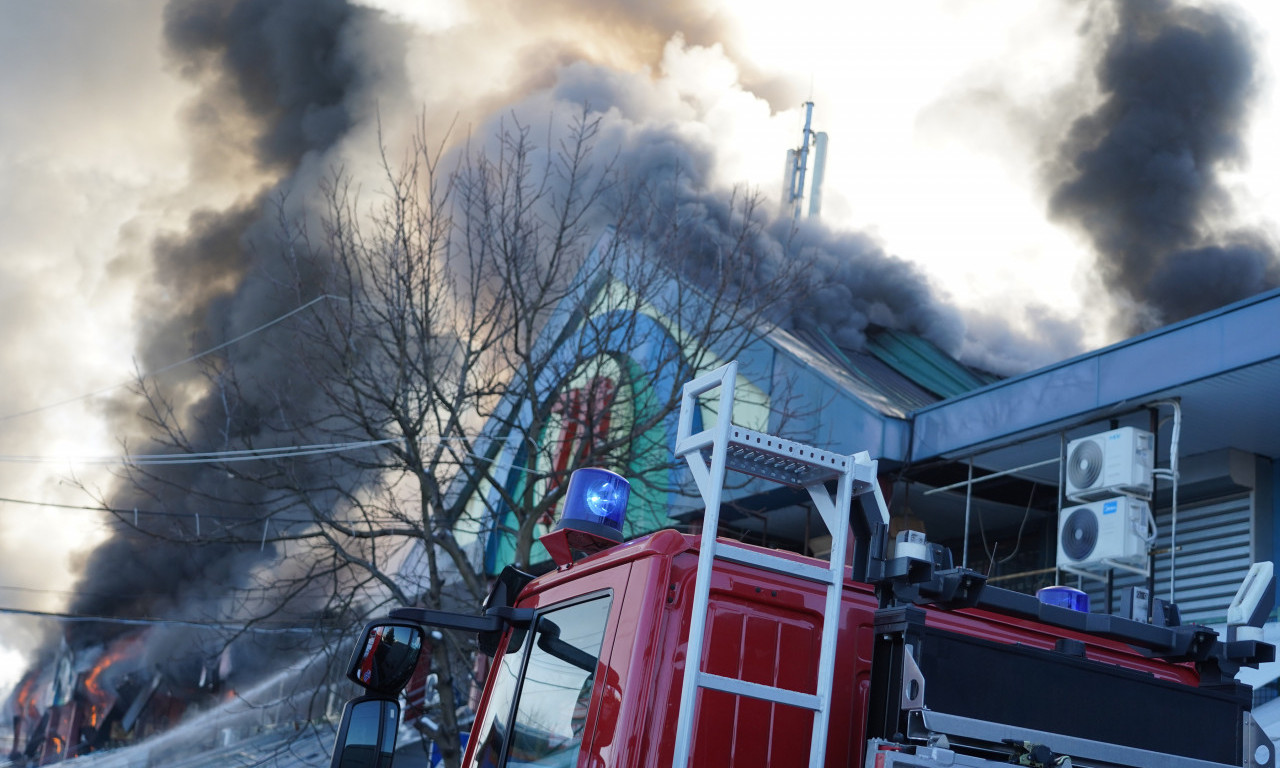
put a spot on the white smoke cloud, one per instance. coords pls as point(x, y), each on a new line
point(91, 148)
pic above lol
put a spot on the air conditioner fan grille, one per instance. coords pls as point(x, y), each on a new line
point(1080, 534)
point(1084, 465)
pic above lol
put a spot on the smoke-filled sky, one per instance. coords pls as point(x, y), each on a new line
point(1053, 176)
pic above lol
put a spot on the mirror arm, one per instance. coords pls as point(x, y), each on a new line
point(448, 619)
point(549, 641)
point(515, 617)
point(493, 620)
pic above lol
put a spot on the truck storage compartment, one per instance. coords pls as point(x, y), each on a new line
point(1058, 693)
point(977, 687)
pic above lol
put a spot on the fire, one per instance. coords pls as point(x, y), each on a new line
point(100, 699)
point(123, 648)
point(27, 698)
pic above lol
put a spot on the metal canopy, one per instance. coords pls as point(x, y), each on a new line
point(1223, 366)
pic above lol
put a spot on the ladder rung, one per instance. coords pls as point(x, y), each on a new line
point(786, 696)
point(776, 564)
point(695, 442)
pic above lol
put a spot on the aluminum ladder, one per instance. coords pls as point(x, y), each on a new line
point(788, 463)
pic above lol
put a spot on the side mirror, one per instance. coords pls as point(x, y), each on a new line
point(386, 656)
point(366, 733)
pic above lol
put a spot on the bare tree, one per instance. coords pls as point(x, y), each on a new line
point(468, 356)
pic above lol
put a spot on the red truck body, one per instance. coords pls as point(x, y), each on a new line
point(762, 627)
point(900, 658)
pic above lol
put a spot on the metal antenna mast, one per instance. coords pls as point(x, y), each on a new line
point(793, 184)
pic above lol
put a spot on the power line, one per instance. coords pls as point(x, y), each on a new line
point(69, 593)
point(72, 617)
point(112, 510)
point(139, 512)
point(205, 457)
point(282, 525)
point(255, 454)
point(274, 522)
point(171, 366)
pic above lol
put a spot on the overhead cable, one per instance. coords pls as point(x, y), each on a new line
point(226, 626)
point(171, 366)
point(206, 457)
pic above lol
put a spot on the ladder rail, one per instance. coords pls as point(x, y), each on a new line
point(710, 482)
point(780, 461)
point(831, 615)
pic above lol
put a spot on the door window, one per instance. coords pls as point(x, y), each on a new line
point(544, 724)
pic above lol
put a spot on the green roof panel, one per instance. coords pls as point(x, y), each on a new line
point(923, 363)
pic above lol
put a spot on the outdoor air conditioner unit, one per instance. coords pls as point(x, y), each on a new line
point(1102, 465)
point(1105, 533)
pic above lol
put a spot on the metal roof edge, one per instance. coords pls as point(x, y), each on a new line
point(893, 442)
point(922, 362)
point(1273, 295)
point(1132, 369)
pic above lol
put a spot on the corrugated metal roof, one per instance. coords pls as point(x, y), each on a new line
point(924, 363)
point(904, 371)
point(826, 359)
point(286, 747)
point(298, 745)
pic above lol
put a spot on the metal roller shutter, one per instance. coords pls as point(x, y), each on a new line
point(1214, 554)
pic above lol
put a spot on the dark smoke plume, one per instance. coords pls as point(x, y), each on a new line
point(284, 84)
point(280, 84)
point(852, 281)
point(858, 284)
point(291, 68)
point(1141, 176)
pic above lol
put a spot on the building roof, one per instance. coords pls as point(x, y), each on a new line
point(1223, 367)
point(921, 361)
point(896, 372)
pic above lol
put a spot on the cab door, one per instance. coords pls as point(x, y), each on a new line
point(551, 681)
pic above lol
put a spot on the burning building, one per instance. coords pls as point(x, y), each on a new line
point(105, 696)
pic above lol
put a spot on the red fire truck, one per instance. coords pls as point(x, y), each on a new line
point(676, 650)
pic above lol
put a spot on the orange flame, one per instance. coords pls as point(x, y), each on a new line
point(100, 701)
point(27, 698)
point(123, 648)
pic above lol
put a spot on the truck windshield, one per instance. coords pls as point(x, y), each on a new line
point(536, 717)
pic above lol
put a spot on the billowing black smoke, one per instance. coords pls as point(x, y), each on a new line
point(289, 80)
point(279, 84)
point(291, 67)
point(851, 282)
point(858, 284)
point(1142, 175)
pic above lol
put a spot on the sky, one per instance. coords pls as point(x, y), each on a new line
point(979, 143)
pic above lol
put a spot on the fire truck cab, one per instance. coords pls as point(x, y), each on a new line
point(678, 650)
